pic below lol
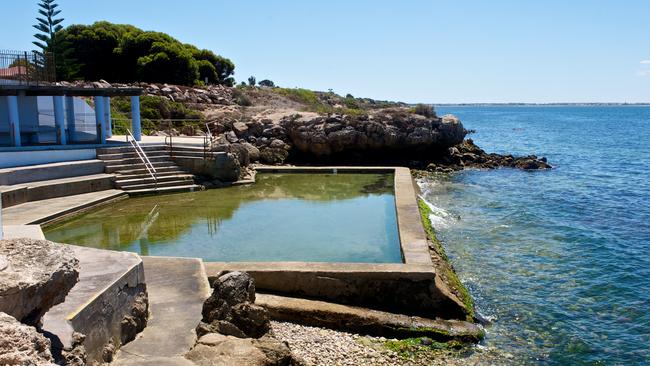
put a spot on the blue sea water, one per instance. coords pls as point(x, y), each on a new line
point(558, 260)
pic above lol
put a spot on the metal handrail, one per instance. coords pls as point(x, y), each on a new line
point(143, 157)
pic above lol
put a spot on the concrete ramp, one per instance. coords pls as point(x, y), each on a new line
point(177, 288)
point(109, 282)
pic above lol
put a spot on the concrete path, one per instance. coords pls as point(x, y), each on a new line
point(38, 212)
point(23, 231)
point(177, 288)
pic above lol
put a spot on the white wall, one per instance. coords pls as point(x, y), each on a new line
point(22, 158)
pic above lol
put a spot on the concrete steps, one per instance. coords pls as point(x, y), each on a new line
point(125, 181)
point(43, 211)
point(164, 190)
point(44, 181)
point(134, 178)
point(136, 160)
point(138, 165)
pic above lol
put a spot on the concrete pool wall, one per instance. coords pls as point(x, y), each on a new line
point(411, 287)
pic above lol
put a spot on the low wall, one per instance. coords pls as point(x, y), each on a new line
point(100, 304)
point(220, 166)
point(25, 174)
point(400, 288)
point(23, 158)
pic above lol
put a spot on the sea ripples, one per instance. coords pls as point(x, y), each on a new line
point(559, 261)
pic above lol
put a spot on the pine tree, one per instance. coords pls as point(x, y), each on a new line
point(48, 25)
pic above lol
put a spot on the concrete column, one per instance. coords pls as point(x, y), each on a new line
point(70, 118)
point(109, 123)
point(100, 119)
point(14, 119)
point(59, 119)
point(136, 127)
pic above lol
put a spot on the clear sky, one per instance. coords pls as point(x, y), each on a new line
point(414, 51)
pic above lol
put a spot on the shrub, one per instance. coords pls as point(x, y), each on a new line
point(425, 110)
point(251, 81)
point(241, 98)
point(267, 83)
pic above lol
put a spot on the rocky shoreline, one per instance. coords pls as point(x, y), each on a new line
point(294, 126)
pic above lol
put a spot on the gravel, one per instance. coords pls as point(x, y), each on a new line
point(320, 346)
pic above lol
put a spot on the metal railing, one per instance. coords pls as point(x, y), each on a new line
point(26, 68)
point(143, 157)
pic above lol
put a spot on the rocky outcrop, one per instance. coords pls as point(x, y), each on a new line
point(386, 131)
point(34, 276)
point(211, 94)
point(21, 344)
point(234, 331)
point(468, 155)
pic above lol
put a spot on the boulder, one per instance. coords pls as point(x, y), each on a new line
point(253, 152)
point(231, 310)
point(219, 350)
point(240, 128)
point(37, 275)
point(21, 344)
point(273, 156)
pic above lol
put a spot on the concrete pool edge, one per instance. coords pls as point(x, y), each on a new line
point(412, 287)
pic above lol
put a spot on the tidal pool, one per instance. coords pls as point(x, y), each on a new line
point(282, 217)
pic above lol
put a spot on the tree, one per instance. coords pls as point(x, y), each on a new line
point(251, 81)
point(124, 53)
point(48, 25)
point(267, 83)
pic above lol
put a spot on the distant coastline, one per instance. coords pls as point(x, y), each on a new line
point(542, 104)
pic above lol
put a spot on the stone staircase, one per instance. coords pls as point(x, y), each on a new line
point(132, 176)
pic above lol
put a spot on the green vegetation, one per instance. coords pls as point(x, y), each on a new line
point(267, 83)
point(48, 39)
point(124, 53)
point(241, 98)
point(153, 109)
point(426, 110)
point(411, 348)
point(313, 102)
point(251, 81)
point(48, 25)
point(452, 278)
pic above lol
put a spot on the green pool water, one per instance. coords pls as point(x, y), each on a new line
point(282, 217)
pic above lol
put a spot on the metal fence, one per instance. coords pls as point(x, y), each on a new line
point(26, 68)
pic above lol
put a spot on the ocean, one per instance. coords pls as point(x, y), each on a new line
point(558, 261)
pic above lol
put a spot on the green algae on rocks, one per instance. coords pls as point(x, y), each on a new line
point(443, 264)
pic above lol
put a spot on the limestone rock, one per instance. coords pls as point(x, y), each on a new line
point(38, 275)
point(134, 323)
point(253, 152)
point(21, 344)
point(230, 309)
point(76, 355)
point(219, 350)
point(273, 156)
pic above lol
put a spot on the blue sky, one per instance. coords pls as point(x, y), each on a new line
point(415, 51)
